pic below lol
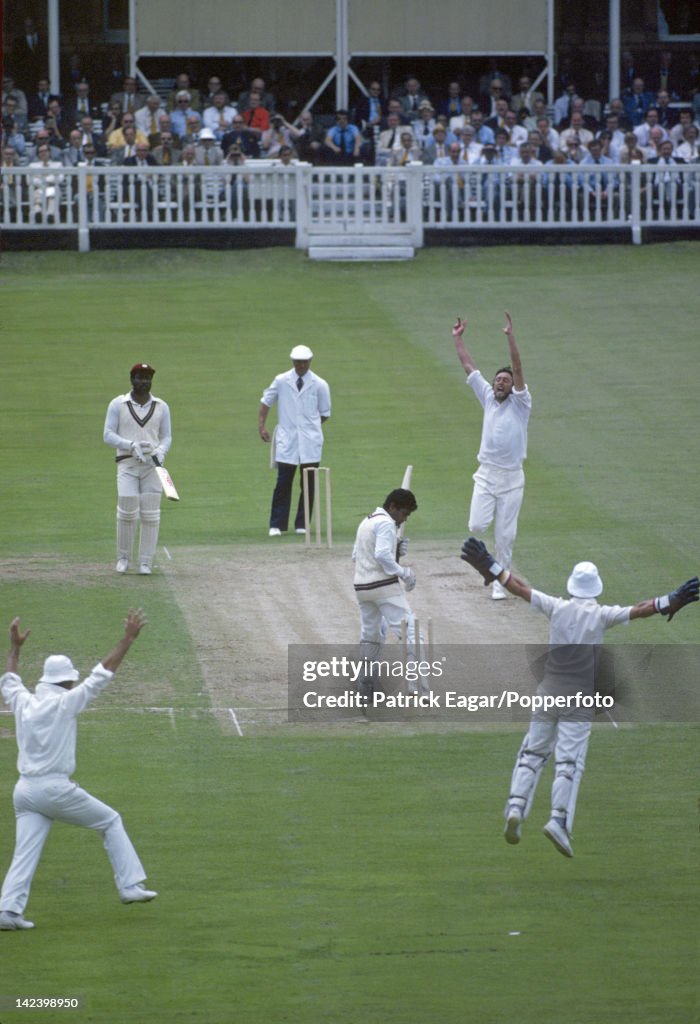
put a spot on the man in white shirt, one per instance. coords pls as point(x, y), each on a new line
point(46, 730)
point(303, 403)
point(576, 631)
point(499, 482)
point(138, 426)
point(380, 596)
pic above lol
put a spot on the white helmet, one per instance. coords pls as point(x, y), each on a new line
point(301, 352)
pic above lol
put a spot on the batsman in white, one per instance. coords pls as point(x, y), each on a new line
point(303, 402)
point(576, 629)
point(46, 730)
point(380, 596)
point(138, 426)
point(499, 482)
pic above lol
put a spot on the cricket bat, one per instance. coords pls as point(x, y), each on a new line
point(406, 485)
point(169, 488)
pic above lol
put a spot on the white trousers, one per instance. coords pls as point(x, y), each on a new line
point(496, 498)
point(41, 800)
point(565, 737)
point(383, 610)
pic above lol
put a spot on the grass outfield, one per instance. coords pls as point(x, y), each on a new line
point(332, 879)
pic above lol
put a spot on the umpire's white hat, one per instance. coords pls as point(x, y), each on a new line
point(301, 352)
point(584, 581)
point(59, 669)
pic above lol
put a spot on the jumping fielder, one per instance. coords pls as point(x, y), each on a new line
point(138, 426)
point(46, 729)
point(576, 629)
point(499, 482)
point(383, 604)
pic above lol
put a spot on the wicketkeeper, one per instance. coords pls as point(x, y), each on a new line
point(576, 627)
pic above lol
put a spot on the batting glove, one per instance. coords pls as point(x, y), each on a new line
point(402, 548)
point(409, 579)
point(687, 593)
point(138, 450)
point(476, 554)
point(159, 454)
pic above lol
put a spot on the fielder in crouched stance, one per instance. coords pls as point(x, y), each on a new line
point(46, 730)
point(138, 426)
point(576, 630)
point(383, 604)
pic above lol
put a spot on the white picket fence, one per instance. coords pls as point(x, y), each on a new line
point(364, 202)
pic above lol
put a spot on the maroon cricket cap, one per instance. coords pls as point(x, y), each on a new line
point(143, 367)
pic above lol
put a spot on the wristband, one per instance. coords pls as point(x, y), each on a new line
point(662, 604)
point(504, 583)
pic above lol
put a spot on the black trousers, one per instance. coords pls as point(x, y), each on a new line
point(282, 496)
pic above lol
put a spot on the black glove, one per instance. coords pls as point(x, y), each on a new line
point(683, 595)
point(477, 555)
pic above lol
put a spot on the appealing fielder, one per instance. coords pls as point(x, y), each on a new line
point(499, 482)
point(303, 402)
point(576, 630)
point(380, 596)
point(46, 729)
point(138, 426)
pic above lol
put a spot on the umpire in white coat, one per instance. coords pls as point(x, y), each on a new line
point(303, 403)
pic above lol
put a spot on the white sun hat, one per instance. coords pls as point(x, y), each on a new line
point(584, 581)
point(59, 669)
point(301, 352)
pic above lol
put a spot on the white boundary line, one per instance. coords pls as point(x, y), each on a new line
point(232, 713)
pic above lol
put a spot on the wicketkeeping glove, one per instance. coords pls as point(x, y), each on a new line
point(687, 593)
point(477, 555)
point(409, 579)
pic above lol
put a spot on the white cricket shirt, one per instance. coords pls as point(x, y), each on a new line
point(45, 721)
point(504, 430)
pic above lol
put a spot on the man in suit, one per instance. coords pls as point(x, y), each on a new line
point(141, 186)
point(437, 145)
point(636, 102)
point(498, 119)
point(30, 52)
point(369, 114)
point(82, 105)
point(167, 154)
point(206, 152)
point(183, 84)
point(241, 136)
point(412, 98)
point(267, 99)
point(38, 104)
point(524, 96)
point(10, 89)
point(90, 137)
point(128, 99)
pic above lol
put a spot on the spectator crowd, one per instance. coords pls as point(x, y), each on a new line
point(506, 123)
